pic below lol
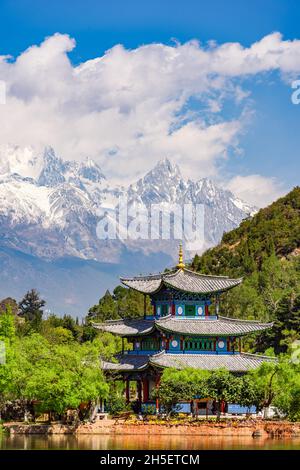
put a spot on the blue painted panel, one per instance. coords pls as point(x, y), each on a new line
point(162, 305)
point(179, 309)
point(221, 345)
point(207, 352)
point(148, 408)
point(234, 408)
point(200, 309)
point(174, 344)
point(142, 352)
point(183, 407)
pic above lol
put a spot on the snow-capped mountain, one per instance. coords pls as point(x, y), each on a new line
point(164, 184)
point(49, 212)
point(50, 207)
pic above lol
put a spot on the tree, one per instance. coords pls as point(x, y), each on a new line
point(122, 303)
point(7, 325)
point(58, 335)
point(31, 308)
point(222, 386)
point(70, 377)
point(286, 328)
point(57, 376)
point(104, 310)
point(287, 396)
point(171, 391)
point(266, 382)
point(9, 302)
point(248, 392)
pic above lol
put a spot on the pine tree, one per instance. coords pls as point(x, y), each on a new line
point(31, 308)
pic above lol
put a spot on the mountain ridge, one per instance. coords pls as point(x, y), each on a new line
point(49, 211)
point(60, 200)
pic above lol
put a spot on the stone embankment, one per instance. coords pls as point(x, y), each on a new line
point(248, 427)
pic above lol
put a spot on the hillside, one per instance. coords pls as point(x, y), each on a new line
point(242, 250)
point(265, 251)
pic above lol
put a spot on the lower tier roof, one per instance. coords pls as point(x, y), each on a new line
point(186, 326)
point(238, 362)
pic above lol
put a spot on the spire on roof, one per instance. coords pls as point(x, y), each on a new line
point(180, 264)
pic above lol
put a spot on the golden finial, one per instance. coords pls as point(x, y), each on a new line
point(180, 264)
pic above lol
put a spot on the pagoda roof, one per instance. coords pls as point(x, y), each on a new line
point(127, 362)
point(181, 279)
point(127, 326)
point(187, 326)
point(210, 327)
point(238, 362)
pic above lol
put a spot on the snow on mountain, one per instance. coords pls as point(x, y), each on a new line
point(24, 161)
point(50, 207)
point(165, 184)
point(49, 211)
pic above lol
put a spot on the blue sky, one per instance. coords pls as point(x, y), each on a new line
point(266, 145)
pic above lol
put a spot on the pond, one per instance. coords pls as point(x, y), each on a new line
point(144, 442)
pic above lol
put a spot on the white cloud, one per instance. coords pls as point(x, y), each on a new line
point(127, 109)
point(256, 189)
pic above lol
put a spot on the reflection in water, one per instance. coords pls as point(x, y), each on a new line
point(144, 442)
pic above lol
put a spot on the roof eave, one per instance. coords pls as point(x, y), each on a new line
point(211, 292)
point(105, 328)
point(142, 291)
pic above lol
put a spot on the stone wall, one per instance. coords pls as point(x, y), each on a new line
point(231, 428)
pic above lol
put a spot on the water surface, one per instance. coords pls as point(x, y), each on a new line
point(144, 442)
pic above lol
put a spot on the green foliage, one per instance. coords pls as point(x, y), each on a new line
point(248, 393)
point(277, 384)
point(273, 383)
point(123, 302)
point(172, 389)
point(58, 335)
point(7, 325)
point(288, 397)
point(11, 303)
point(116, 402)
point(31, 308)
point(59, 376)
point(222, 385)
point(188, 383)
point(66, 325)
point(286, 328)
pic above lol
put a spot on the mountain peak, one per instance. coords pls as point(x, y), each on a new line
point(165, 165)
point(52, 172)
point(90, 170)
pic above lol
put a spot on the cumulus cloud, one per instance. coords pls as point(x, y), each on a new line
point(129, 108)
point(256, 189)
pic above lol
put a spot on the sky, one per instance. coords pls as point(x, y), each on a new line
point(205, 83)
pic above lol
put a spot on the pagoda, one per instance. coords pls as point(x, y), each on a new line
point(184, 330)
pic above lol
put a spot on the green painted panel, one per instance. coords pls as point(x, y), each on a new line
point(190, 310)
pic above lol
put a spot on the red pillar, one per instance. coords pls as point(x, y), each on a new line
point(127, 390)
point(139, 393)
point(222, 406)
point(145, 390)
point(157, 381)
point(139, 390)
